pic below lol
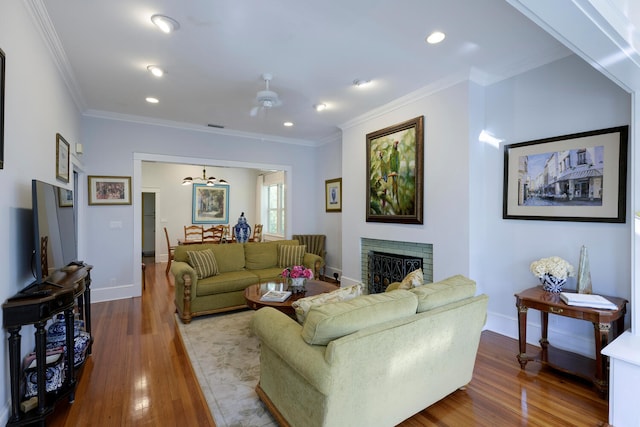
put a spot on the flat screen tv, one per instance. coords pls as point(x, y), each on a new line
point(54, 229)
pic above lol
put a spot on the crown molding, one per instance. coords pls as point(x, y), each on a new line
point(40, 16)
point(99, 114)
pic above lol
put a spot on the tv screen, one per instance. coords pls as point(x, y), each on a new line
point(54, 228)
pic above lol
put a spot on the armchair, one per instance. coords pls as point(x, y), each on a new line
point(315, 245)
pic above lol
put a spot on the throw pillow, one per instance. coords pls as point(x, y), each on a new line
point(203, 262)
point(290, 255)
point(303, 305)
point(411, 280)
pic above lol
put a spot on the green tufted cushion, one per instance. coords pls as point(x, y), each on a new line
point(203, 262)
point(290, 255)
point(328, 322)
point(446, 291)
point(260, 255)
point(230, 256)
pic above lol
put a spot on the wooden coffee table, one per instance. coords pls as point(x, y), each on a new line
point(314, 287)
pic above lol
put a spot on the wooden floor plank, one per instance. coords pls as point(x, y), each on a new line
point(139, 375)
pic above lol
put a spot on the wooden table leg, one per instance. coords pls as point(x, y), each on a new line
point(544, 338)
point(522, 334)
point(602, 335)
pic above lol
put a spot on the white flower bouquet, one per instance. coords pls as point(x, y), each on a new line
point(552, 266)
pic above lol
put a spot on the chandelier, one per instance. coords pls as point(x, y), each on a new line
point(211, 181)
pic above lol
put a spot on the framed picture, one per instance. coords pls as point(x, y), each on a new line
point(62, 159)
point(65, 198)
point(333, 195)
point(109, 190)
point(577, 177)
point(2, 68)
point(210, 204)
point(395, 157)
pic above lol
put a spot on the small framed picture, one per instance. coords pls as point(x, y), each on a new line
point(333, 195)
point(109, 190)
point(65, 198)
point(62, 159)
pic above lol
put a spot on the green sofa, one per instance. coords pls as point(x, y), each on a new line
point(375, 360)
point(239, 264)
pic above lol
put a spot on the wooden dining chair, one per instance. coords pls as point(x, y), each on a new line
point(257, 233)
point(170, 251)
point(207, 234)
point(213, 234)
point(193, 233)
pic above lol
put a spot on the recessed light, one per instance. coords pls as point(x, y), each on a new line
point(361, 82)
point(155, 70)
point(151, 100)
point(320, 107)
point(288, 124)
point(435, 37)
point(165, 23)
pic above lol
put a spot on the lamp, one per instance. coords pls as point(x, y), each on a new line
point(165, 23)
point(210, 182)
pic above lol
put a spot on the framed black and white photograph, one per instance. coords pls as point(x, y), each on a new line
point(62, 159)
point(577, 177)
point(210, 204)
point(333, 195)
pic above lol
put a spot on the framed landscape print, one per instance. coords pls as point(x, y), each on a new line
point(577, 177)
point(333, 195)
point(62, 159)
point(65, 198)
point(109, 190)
point(210, 204)
point(395, 157)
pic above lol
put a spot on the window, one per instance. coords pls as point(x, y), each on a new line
point(582, 157)
point(274, 204)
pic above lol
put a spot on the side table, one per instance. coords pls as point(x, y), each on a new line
point(607, 324)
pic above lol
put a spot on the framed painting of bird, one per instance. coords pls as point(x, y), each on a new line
point(395, 157)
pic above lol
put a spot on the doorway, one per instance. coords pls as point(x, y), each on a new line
point(148, 224)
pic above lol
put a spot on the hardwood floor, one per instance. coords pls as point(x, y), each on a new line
point(140, 375)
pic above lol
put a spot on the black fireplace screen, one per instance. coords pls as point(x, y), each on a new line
point(386, 268)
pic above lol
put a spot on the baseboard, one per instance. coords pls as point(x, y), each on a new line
point(114, 293)
point(508, 326)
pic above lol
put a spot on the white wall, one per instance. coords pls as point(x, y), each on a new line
point(564, 97)
point(329, 159)
point(114, 147)
point(37, 106)
point(446, 184)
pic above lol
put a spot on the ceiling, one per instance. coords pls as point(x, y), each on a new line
point(314, 50)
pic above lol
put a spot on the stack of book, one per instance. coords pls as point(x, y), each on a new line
point(587, 300)
point(276, 296)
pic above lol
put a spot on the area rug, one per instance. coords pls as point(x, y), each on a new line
point(225, 356)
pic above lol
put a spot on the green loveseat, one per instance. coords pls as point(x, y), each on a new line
point(374, 360)
point(239, 265)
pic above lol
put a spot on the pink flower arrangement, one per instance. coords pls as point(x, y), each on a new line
point(297, 271)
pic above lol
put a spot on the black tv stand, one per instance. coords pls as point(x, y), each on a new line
point(59, 294)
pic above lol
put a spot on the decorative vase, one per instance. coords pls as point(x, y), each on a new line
point(297, 284)
point(584, 273)
point(552, 284)
point(242, 229)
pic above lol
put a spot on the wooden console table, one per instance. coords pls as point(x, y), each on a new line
point(607, 324)
point(35, 305)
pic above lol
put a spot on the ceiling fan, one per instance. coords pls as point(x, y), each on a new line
point(265, 99)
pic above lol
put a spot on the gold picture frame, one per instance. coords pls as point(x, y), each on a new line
point(333, 195)
point(62, 159)
point(109, 190)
